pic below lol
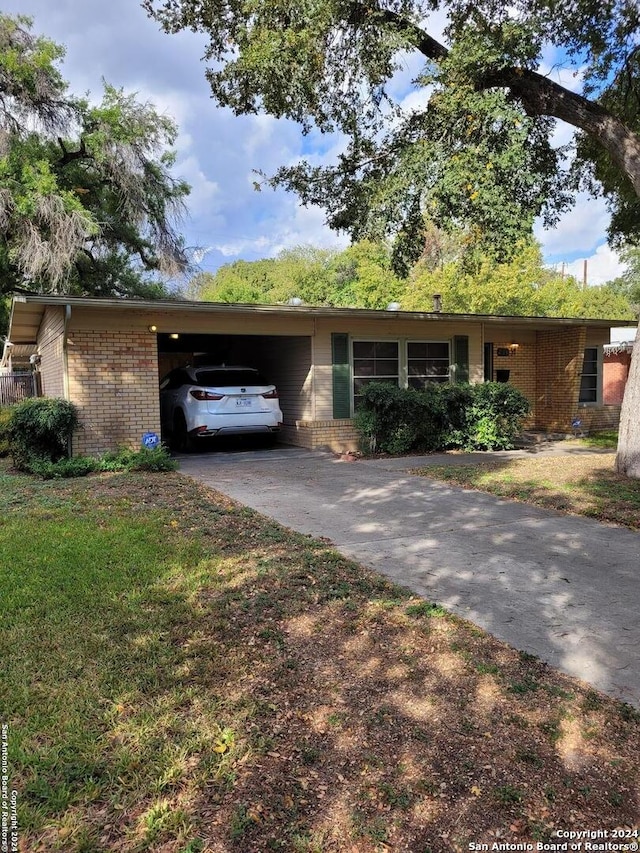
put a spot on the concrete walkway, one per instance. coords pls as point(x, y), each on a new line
point(564, 588)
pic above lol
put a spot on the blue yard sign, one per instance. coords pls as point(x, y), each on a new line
point(151, 440)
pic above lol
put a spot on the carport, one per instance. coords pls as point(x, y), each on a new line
point(285, 360)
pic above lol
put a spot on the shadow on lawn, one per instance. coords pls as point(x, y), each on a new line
point(600, 493)
point(247, 689)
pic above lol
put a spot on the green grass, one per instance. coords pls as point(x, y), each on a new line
point(580, 483)
point(606, 439)
point(96, 608)
point(181, 674)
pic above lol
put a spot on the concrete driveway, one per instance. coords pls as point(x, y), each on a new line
point(564, 588)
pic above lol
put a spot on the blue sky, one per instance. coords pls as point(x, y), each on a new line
point(218, 152)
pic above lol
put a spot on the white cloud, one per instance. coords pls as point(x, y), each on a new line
point(235, 248)
point(603, 265)
point(262, 129)
point(571, 77)
point(307, 227)
point(579, 230)
point(205, 193)
point(417, 100)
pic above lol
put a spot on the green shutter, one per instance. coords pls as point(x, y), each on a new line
point(341, 383)
point(460, 359)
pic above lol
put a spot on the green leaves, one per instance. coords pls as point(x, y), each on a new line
point(479, 150)
point(477, 283)
point(360, 276)
point(365, 275)
point(88, 204)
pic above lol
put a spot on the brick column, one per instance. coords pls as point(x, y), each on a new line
point(560, 353)
point(113, 380)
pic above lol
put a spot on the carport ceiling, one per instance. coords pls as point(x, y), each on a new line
point(187, 343)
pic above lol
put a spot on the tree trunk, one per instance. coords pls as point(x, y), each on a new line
point(628, 455)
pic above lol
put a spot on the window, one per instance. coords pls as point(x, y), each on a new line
point(410, 364)
point(427, 362)
point(589, 379)
point(374, 361)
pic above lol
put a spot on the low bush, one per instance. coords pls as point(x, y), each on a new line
point(442, 416)
point(495, 416)
point(77, 466)
point(397, 420)
point(5, 420)
point(144, 459)
point(120, 460)
point(40, 429)
point(37, 433)
point(455, 400)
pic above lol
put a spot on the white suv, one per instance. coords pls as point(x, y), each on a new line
point(200, 402)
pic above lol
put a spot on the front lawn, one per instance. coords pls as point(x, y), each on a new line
point(180, 674)
point(578, 482)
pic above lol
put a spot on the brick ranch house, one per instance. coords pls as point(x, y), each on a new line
point(107, 357)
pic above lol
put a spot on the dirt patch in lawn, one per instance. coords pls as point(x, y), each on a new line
point(580, 483)
point(297, 702)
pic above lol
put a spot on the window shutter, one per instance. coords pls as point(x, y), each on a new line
point(341, 388)
point(460, 359)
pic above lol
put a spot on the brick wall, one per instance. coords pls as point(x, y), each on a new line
point(558, 370)
point(521, 364)
point(113, 379)
point(339, 435)
point(595, 418)
point(615, 372)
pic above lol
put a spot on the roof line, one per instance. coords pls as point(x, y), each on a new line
point(302, 310)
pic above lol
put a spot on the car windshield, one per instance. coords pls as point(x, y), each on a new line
point(229, 378)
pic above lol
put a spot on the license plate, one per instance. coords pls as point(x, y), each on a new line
point(243, 403)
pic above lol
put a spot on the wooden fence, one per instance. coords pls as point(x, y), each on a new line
point(15, 387)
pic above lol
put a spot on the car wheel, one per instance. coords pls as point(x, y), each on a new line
point(181, 440)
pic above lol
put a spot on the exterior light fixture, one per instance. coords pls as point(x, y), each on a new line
point(513, 348)
point(153, 328)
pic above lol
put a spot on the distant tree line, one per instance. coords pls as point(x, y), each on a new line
point(362, 276)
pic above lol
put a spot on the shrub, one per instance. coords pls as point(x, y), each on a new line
point(145, 459)
point(41, 429)
point(5, 421)
point(456, 400)
point(120, 460)
point(77, 466)
point(495, 416)
point(396, 420)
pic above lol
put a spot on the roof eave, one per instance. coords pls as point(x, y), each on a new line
point(26, 333)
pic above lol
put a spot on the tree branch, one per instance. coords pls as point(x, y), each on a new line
point(422, 41)
point(541, 96)
point(70, 156)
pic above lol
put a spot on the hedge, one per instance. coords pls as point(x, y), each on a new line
point(441, 417)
